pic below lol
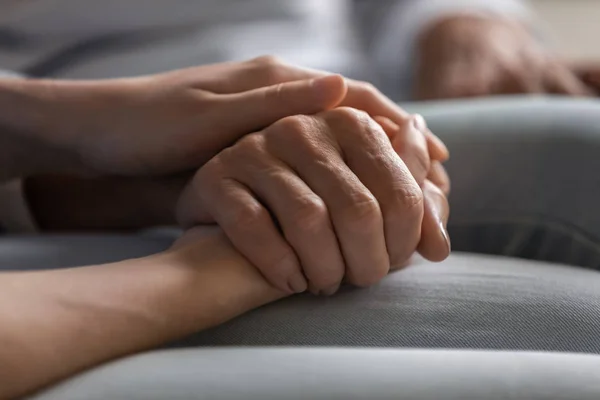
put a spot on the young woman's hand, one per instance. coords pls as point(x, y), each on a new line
point(172, 122)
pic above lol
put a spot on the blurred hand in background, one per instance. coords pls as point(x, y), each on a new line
point(469, 55)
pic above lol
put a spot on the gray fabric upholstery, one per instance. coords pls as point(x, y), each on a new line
point(344, 374)
point(49, 251)
point(524, 176)
point(470, 302)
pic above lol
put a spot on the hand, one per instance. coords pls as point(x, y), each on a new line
point(177, 121)
point(466, 56)
point(90, 315)
point(589, 73)
point(327, 192)
point(206, 250)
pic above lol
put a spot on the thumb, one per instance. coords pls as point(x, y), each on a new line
point(250, 111)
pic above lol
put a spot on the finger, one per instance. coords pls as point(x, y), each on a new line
point(302, 216)
point(589, 74)
point(410, 144)
point(439, 177)
point(561, 81)
point(366, 97)
point(370, 155)
point(436, 148)
point(309, 148)
point(238, 114)
point(247, 224)
point(235, 77)
point(268, 70)
point(435, 242)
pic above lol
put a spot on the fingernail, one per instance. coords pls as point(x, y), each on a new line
point(445, 235)
point(439, 210)
point(419, 122)
point(330, 290)
point(298, 283)
point(324, 87)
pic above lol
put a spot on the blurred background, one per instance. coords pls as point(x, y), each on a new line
point(573, 24)
point(409, 49)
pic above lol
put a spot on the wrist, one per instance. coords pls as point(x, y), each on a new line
point(211, 271)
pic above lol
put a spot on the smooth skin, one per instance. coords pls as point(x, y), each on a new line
point(54, 324)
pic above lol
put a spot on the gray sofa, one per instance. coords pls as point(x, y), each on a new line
point(525, 184)
point(474, 327)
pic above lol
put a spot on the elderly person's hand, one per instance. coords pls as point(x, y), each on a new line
point(468, 55)
point(315, 200)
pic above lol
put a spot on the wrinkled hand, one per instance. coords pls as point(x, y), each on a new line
point(466, 56)
point(314, 200)
point(177, 121)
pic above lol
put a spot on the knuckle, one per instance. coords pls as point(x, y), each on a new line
point(249, 143)
point(267, 60)
point(299, 132)
point(294, 128)
point(245, 152)
point(270, 68)
point(310, 216)
point(246, 219)
point(352, 120)
point(362, 216)
point(407, 197)
point(367, 88)
point(349, 114)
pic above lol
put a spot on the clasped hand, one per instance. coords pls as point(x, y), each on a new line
point(316, 179)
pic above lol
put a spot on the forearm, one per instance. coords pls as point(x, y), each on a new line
point(30, 138)
point(54, 324)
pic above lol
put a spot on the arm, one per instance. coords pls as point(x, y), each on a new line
point(157, 125)
point(32, 135)
point(54, 324)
